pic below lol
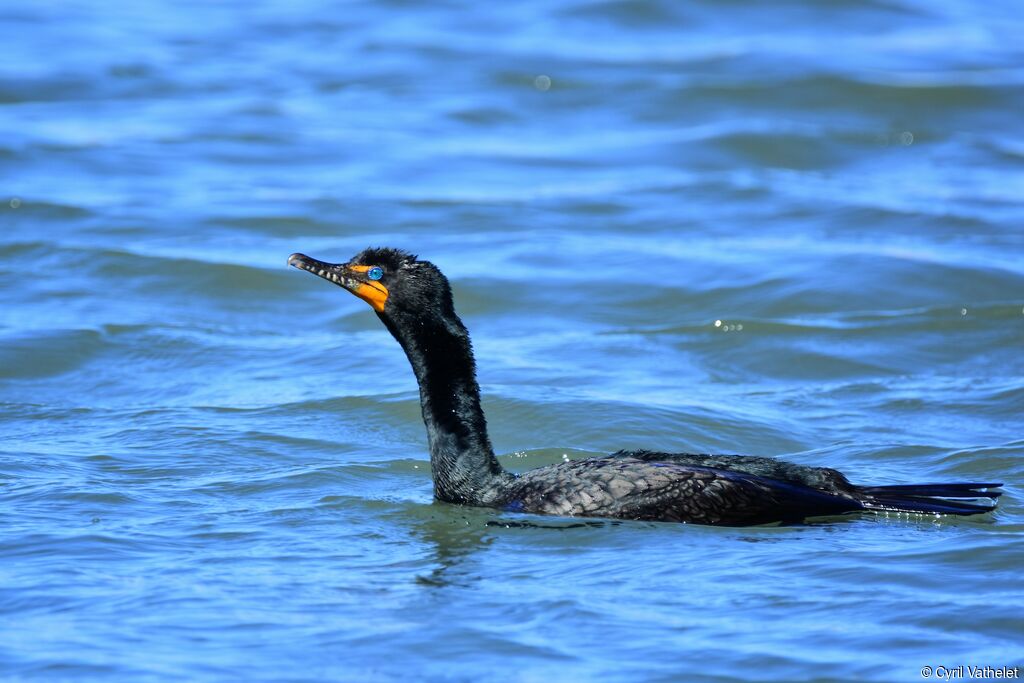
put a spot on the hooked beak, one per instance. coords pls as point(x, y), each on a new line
point(352, 278)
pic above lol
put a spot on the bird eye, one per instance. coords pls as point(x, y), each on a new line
point(375, 273)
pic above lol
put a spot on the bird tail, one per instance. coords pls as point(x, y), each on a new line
point(931, 498)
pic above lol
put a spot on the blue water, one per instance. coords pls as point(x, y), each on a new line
point(791, 229)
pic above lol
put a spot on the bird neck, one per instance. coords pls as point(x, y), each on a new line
point(462, 460)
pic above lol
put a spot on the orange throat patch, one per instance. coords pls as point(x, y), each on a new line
point(374, 294)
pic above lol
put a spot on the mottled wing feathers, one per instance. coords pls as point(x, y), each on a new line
point(628, 488)
point(821, 478)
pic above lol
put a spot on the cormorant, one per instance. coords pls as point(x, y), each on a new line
point(414, 301)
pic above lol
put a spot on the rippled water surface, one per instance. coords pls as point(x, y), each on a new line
point(791, 229)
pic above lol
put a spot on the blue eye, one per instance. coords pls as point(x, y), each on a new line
point(375, 273)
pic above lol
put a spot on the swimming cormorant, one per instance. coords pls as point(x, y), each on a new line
point(414, 301)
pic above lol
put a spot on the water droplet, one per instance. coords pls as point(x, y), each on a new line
point(15, 202)
point(718, 323)
point(963, 311)
point(906, 138)
point(739, 326)
point(565, 457)
point(542, 82)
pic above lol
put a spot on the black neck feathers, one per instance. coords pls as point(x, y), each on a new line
point(461, 457)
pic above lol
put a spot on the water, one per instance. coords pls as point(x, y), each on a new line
point(787, 229)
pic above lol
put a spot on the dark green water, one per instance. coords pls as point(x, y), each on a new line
point(793, 229)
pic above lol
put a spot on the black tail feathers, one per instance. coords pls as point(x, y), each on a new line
point(930, 498)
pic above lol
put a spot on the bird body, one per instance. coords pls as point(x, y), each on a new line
point(631, 488)
point(413, 299)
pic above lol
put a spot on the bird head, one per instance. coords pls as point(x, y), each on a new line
point(395, 283)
